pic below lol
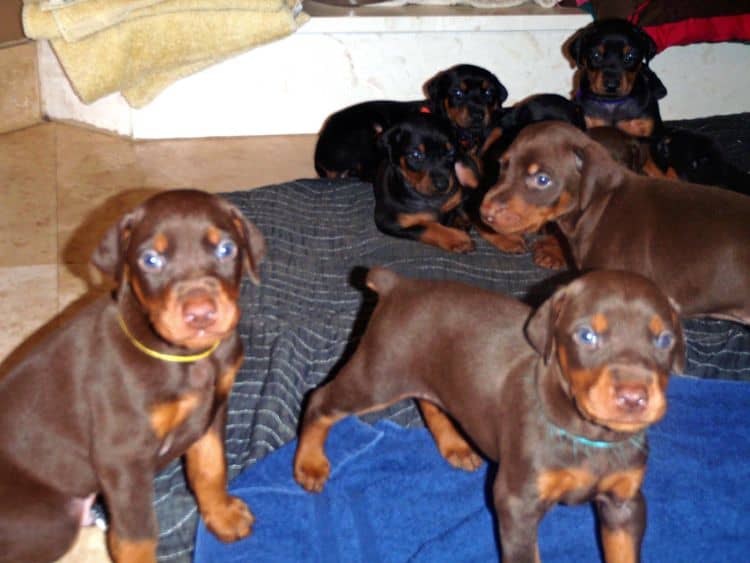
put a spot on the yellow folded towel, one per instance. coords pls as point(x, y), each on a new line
point(139, 47)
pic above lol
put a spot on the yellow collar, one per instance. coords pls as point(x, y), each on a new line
point(161, 356)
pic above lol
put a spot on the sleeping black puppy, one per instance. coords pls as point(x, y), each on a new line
point(533, 109)
point(467, 96)
point(616, 86)
point(419, 188)
point(696, 158)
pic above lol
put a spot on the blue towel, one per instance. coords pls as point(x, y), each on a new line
point(392, 498)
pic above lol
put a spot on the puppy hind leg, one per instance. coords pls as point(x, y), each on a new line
point(352, 391)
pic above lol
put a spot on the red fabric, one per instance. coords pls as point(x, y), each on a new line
point(697, 30)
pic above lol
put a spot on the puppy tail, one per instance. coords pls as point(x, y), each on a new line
point(381, 280)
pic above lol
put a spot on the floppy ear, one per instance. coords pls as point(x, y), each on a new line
point(109, 256)
point(679, 353)
point(468, 171)
point(253, 243)
point(434, 86)
point(502, 92)
point(389, 141)
point(599, 172)
point(575, 45)
point(540, 328)
point(655, 85)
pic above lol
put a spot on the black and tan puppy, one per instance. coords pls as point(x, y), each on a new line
point(696, 158)
point(616, 87)
point(563, 405)
point(419, 189)
point(467, 96)
point(131, 383)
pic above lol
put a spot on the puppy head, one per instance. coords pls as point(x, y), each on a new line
point(550, 171)
point(182, 253)
point(422, 149)
point(615, 338)
point(610, 53)
point(467, 95)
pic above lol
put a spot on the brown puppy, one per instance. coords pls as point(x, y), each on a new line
point(563, 406)
point(692, 240)
point(130, 384)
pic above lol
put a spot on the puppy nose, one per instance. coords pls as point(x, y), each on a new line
point(199, 311)
point(611, 83)
point(440, 182)
point(489, 209)
point(631, 398)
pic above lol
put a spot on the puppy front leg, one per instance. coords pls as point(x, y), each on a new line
point(133, 530)
point(622, 525)
point(518, 519)
point(226, 516)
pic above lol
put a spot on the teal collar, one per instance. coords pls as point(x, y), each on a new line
point(637, 440)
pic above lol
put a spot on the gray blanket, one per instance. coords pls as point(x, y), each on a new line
point(310, 310)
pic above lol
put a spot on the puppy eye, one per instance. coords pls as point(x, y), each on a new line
point(457, 93)
point(226, 249)
point(629, 58)
point(489, 93)
point(596, 57)
point(664, 340)
point(152, 261)
point(541, 181)
point(416, 155)
point(587, 336)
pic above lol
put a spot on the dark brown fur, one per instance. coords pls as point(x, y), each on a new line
point(692, 240)
point(523, 387)
point(87, 412)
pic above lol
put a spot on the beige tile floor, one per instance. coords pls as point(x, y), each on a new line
point(61, 186)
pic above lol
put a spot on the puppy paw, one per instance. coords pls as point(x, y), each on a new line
point(548, 253)
point(461, 245)
point(230, 520)
point(510, 244)
point(462, 456)
point(311, 471)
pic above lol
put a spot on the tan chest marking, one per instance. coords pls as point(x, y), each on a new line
point(166, 417)
point(556, 483)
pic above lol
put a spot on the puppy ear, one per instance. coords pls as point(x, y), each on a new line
point(253, 243)
point(434, 86)
point(502, 92)
point(574, 46)
point(654, 84)
point(540, 328)
point(598, 171)
point(468, 171)
point(388, 141)
point(679, 357)
point(109, 256)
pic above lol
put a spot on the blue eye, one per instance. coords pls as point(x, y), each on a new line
point(664, 340)
point(541, 180)
point(152, 260)
point(587, 336)
point(226, 249)
point(416, 155)
point(458, 93)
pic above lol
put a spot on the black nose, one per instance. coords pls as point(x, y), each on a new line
point(611, 82)
point(440, 182)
